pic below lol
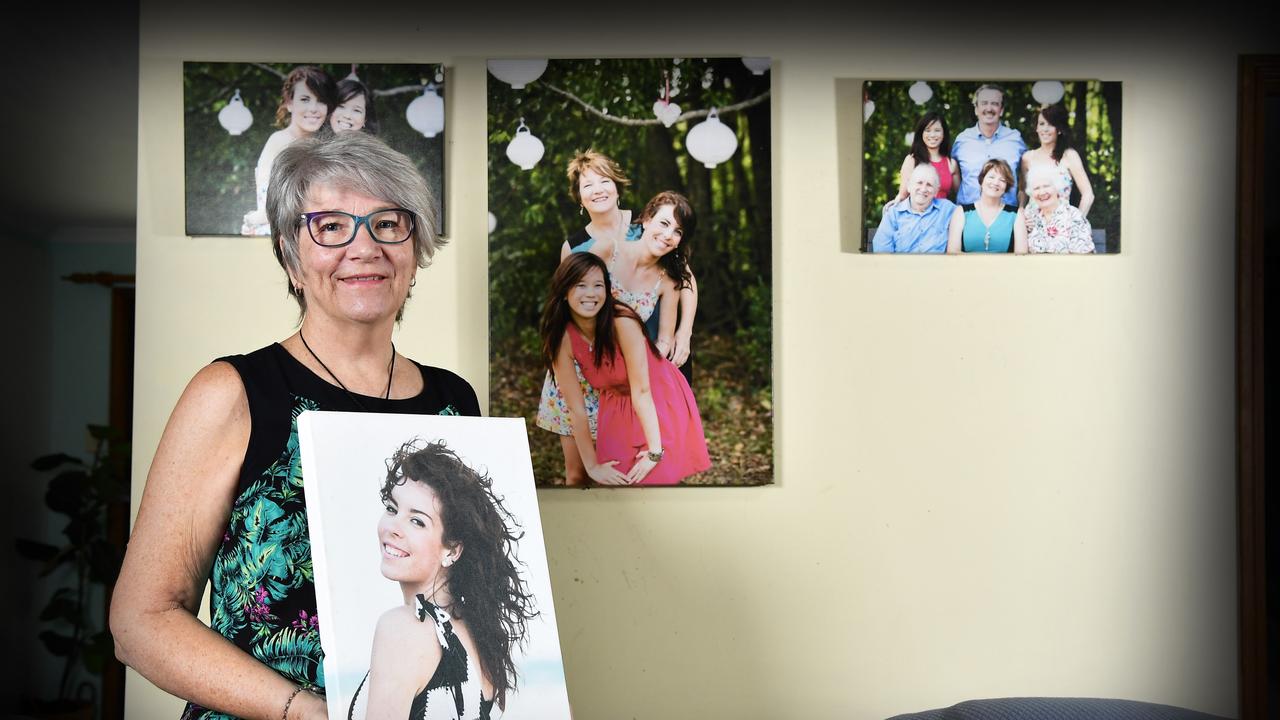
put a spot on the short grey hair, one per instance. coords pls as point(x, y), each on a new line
point(1052, 173)
point(350, 161)
point(988, 86)
point(921, 169)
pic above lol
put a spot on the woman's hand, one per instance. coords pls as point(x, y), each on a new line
point(664, 348)
point(680, 347)
point(606, 474)
point(641, 469)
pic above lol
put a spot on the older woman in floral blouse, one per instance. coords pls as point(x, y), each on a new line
point(1053, 226)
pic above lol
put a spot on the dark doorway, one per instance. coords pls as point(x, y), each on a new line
point(1258, 224)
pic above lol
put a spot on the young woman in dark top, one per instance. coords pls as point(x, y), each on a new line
point(449, 542)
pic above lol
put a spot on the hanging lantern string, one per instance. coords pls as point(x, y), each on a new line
point(383, 92)
point(399, 90)
point(666, 90)
point(724, 110)
point(352, 75)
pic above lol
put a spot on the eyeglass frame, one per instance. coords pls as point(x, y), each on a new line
point(305, 220)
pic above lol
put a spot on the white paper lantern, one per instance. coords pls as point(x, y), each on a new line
point(493, 223)
point(911, 137)
point(1047, 92)
point(518, 73)
point(711, 142)
point(426, 113)
point(524, 149)
point(235, 118)
point(920, 92)
point(757, 65)
point(868, 107)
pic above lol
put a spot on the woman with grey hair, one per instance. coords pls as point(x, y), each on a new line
point(1053, 225)
point(351, 224)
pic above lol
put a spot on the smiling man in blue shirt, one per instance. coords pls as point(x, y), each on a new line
point(921, 222)
point(986, 141)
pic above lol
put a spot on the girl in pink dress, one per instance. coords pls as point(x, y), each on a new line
point(649, 430)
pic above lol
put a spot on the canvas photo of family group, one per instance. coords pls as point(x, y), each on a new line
point(1022, 167)
point(630, 267)
point(432, 586)
point(238, 116)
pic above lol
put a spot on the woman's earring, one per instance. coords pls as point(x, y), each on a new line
point(413, 282)
point(447, 561)
point(582, 209)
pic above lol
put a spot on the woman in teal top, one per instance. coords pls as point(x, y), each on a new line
point(989, 224)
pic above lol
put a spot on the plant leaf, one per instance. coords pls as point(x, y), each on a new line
point(104, 432)
point(61, 607)
point(99, 648)
point(32, 550)
point(60, 645)
point(49, 462)
point(66, 492)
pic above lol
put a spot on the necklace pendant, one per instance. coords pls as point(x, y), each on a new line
point(986, 241)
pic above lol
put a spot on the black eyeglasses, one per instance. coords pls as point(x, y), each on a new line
point(334, 228)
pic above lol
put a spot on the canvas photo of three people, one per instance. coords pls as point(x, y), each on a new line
point(630, 267)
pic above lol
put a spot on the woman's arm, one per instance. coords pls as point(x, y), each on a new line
point(955, 176)
point(404, 657)
point(1020, 233)
point(1021, 173)
point(277, 142)
point(683, 341)
point(955, 228)
point(955, 234)
point(667, 310)
point(1076, 167)
point(904, 175)
point(635, 351)
point(567, 381)
point(180, 525)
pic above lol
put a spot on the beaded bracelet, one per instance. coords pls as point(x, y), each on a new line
point(285, 715)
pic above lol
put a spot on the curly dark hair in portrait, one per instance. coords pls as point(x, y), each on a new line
point(1056, 115)
point(556, 316)
point(675, 263)
point(918, 150)
point(488, 592)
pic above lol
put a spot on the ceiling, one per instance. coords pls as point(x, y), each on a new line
point(71, 128)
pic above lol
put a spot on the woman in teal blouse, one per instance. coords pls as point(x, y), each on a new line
point(989, 224)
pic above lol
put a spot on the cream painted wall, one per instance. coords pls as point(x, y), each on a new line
point(996, 476)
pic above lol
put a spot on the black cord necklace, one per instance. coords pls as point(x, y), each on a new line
point(390, 373)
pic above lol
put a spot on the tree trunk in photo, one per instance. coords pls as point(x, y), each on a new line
point(1113, 104)
point(758, 130)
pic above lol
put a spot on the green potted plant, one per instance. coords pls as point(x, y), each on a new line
point(83, 493)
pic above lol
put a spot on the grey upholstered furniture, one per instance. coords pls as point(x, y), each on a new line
point(1053, 708)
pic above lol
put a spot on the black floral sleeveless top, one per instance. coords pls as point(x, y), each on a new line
point(264, 597)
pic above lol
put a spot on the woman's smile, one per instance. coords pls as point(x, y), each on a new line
point(586, 298)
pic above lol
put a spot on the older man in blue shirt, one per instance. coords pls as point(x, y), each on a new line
point(921, 222)
point(985, 141)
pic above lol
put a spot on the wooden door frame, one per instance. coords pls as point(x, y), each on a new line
point(1259, 78)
